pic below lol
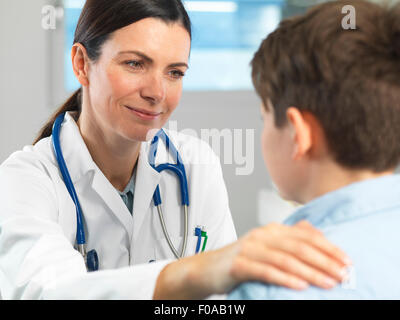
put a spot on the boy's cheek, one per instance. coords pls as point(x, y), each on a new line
point(272, 156)
point(277, 158)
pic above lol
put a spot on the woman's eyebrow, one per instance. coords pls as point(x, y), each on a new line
point(179, 64)
point(150, 60)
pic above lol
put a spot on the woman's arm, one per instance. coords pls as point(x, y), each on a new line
point(288, 256)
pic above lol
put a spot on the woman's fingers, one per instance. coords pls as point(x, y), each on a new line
point(306, 244)
point(318, 260)
point(305, 224)
point(290, 265)
point(290, 256)
point(256, 271)
point(307, 233)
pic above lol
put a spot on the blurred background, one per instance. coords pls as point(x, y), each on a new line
point(36, 78)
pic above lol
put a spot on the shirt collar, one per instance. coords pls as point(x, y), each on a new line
point(131, 184)
point(350, 202)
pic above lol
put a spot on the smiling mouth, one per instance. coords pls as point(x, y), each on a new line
point(144, 114)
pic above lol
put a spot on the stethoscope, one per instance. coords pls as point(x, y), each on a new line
point(91, 258)
point(179, 170)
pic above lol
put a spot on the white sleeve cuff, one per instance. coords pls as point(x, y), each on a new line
point(130, 283)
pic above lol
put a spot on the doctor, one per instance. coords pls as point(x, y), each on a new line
point(130, 57)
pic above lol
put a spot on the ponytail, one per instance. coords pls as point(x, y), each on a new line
point(72, 104)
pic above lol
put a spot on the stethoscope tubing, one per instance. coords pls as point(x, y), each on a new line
point(179, 170)
point(80, 233)
point(171, 245)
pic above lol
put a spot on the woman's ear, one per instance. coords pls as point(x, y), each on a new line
point(80, 63)
point(301, 132)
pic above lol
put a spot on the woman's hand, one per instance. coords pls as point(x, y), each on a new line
point(289, 256)
point(293, 257)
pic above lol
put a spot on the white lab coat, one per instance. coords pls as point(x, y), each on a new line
point(38, 220)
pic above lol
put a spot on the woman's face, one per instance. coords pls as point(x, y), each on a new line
point(137, 82)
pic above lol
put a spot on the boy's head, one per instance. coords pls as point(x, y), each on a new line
point(330, 94)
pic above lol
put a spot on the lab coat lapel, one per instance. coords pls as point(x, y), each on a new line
point(147, 180)
point(113, 200)
point(80, 162)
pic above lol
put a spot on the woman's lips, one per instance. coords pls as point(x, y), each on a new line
point(144, 114)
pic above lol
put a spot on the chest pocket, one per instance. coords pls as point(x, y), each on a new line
point(163, 251)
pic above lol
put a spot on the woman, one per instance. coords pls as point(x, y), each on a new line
point(130, 57)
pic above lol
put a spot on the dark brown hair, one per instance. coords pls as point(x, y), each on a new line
point(99, 19)
point(348, 79)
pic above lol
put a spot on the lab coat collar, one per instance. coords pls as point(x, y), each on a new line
point(80, 164)
point(75, 152)
point(80, 161)
point(82, 168)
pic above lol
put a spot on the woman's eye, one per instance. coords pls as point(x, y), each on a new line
point(177, 74)
point(134, 64)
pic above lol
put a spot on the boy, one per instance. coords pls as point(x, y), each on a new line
point(331, 139)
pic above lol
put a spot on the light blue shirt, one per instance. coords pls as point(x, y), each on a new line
point(128, 193)
point(363, 219)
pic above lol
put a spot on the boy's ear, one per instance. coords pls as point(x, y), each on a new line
point(302, 132)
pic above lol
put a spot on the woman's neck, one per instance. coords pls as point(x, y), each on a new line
point(115, 156)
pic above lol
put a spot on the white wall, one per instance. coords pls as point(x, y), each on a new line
point(24, 74)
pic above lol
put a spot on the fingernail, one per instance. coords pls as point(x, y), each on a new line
point(302, 284)
point(347, 260)
point(329, 282)
point(343, 273)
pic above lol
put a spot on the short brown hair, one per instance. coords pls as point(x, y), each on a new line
point(348, 79)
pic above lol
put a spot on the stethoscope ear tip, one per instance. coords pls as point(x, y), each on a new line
point(92, 261)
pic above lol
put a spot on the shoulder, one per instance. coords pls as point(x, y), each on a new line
point(31, 159)
point(260, 291)
point(26, 178)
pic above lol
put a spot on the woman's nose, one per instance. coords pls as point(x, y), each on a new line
point(154, 89)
